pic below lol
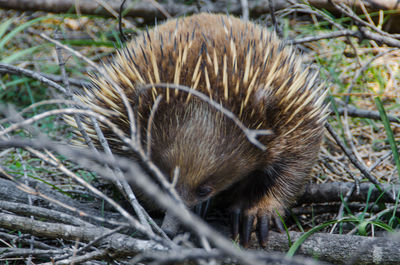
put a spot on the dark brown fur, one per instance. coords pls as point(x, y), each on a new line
point(251, 73)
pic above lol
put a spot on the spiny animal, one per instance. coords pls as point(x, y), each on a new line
point(247, 70)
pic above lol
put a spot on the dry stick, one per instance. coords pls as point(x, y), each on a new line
point(331, 35)
point(344, 167)
point(19, 240)
point(121, 32)
point(52, 77)
point(150, 123)
point(361, 113)
point(32, 74)
point(69, 111)
point(7, 253)
point(380, 160)
point(38, 104)
point(90, 244)
point(245, 9)
point(355, 161)
point(174, 257)
point(377, 37)
point(339, 248)
point(121, 182)
point(95, 255)
point(348, 135)
point(271, 6)
point(69, 49)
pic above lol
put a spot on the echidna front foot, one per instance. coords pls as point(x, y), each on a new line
point(245, 221)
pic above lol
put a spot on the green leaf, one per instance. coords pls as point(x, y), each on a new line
point(18, 164)
point(362, 228)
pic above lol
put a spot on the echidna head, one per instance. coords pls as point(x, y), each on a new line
point(209, 150)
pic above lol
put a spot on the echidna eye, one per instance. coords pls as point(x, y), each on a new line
point(203, 191)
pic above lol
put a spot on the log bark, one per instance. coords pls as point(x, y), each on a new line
point(334, 191)
point(342, 249)
point(147, 11)
point(120, 243)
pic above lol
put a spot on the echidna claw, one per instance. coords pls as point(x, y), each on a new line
point(247, 227)
point(279, 224)
point(235, 216)
point(263, 229)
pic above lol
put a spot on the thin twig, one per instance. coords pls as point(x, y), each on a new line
point(150, 123)
point(32, 74)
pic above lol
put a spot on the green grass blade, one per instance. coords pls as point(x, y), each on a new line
point(16, 55)
point(382, 225)
point(286, 229)
point(20, 28)
point(389, 132)
point(396, 205)
point(292, 250)
point(4, 26)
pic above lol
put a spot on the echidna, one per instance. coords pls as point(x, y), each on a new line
point(247, 70)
